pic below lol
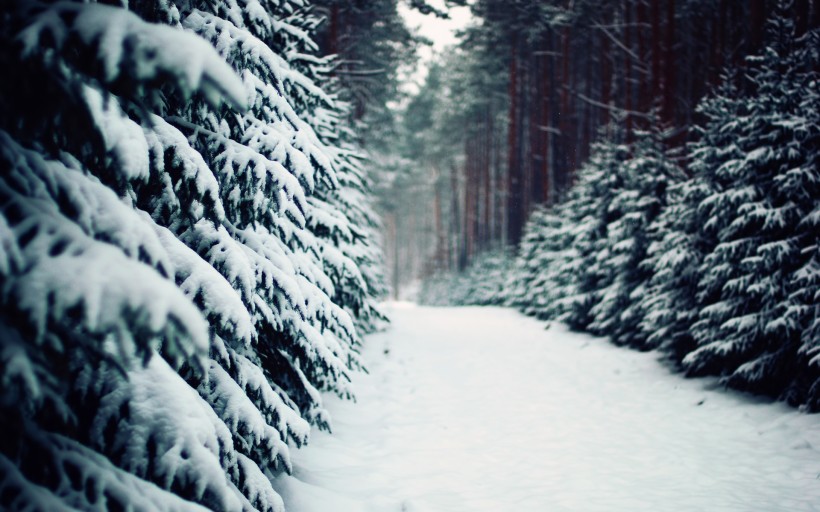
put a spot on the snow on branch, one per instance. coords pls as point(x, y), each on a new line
point(129, 49)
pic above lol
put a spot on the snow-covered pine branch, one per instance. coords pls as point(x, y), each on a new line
point(178, 286)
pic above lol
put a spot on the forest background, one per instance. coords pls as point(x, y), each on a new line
point(190, 198)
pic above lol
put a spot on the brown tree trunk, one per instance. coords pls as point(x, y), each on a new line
point(442, 252)
point(564, 125)
point(470, 187)
point(606, 79)
point(535, 152)
point(393, 235)
point(669, 75)
point(333, 34)
point(757, 17)
point(644, 84)
point(657, 44)
point(488, 134)
point(513, 164)
point(589, 125)
point(628, 67)
point(545, 121)
point(456, 231)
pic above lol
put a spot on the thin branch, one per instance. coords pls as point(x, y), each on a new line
point(616, 41)
point(549, 129)
point(360, 72)
point(612, 108)
point(622, 25)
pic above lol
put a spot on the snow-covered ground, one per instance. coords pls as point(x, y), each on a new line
point(481, 409)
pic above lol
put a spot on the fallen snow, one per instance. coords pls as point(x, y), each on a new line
point(481, 409)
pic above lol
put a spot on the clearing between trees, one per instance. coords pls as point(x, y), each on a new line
point(481, 409)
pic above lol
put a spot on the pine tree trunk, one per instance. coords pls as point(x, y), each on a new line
point(488, 134)
point(606, 79)
point(644, 84)
point(513, 146)
point(333, 34)
point(441, 251)
point(456, 231)
point(757, 17)
point(657, 44)
point(546, 122)
point(394, 235)
point(469, 197)
point(564, 115)
point(628, 68)
point(669, 75)
point(587, 131)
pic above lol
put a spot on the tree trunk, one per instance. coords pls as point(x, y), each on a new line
point(564, 125)
point(657, 44)
point(394, 235)
point(606, 80)
point(545, 121)
point(669, 75)
point(628, 68)
point(644, 85)
point(513, 164)
point(757, 18)
point(441, 251)
point(485, 168)
point(456, 232)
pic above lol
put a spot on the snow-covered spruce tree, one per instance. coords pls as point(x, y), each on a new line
point(355, 258)
point(362, 284)
point(591, 208)
point(483, 283)
point(558, 275)
point(526, 273)
point(670, 303)
point(166, 319)
point(758, 286)
point(546, 264)
point(339, 212)
point(641, 194)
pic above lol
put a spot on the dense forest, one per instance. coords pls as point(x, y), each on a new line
point(195, 196)
point(511, 114)
point(642, 170)
point(189, 253)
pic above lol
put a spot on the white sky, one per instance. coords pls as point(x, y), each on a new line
point(440, 32)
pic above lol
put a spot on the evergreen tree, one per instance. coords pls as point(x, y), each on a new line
point(547, 263)
point(646, 176)
point(582, 262)
point(669, 304)
point(562, 263)
point(168, 254)
point(591, 204)
point(754, 324)
point(341, 213)
point(483, 283)
point(535, 257)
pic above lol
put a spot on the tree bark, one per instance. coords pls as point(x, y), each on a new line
point(628, 68)
point(657, 44)
point(513, 164)
point(669, 75)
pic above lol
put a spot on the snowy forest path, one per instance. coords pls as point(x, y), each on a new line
point(481, 409)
